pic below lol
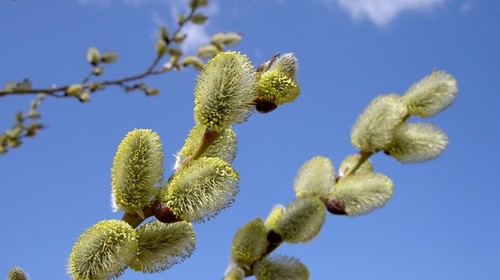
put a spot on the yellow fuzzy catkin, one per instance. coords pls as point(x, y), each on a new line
point(431, 95)
point(224, 91)
point(362, 193)
point(281, 268)
point(103, 251)
point(234, 273)
point(163, 245)
point(301, 220)
point(274, 216)
point(417, 142)
point(277, 87)
point(315, 177)
point(374, 128)
point(137, 169)
point(249, 243)
point(224, 147)
point(350, 161)
point(17, 273)
point(202, 189)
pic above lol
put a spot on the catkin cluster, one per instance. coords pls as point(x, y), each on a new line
point(204, 182)
point(356, 190)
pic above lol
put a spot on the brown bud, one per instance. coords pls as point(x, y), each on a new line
point(264, 106)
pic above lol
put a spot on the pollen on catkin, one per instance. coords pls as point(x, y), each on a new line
point(103, 251)
point(315, 177)
point(17, 273)
point(362, 193)
point(374, 128)
point(277, 87)
point(201, 190)
point(163, 245)
point(137, 169)
point(274, 216)
point(301, 220)
point(281, 268)
point(431, 95)
point(224, 91)
point(224, 147)
point(417, 142)
point(249, 243)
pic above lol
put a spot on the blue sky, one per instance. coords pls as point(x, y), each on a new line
point(441, 223)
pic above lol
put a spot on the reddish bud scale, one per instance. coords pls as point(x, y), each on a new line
point(335, 207)
point(163, 213)
point(264, 106)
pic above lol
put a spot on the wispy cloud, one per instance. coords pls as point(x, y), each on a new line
point(382, 12)
point(196, 35)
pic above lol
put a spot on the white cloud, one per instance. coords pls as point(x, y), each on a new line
point(196, 35)
point(382, 12)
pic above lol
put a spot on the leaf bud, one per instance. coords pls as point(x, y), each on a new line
point(315, 177)
point(194, 4)
point(93, 56)
point(417, 142)
point(202, 189)
point(164, 33)
point(193, 61)
point(161, 48)
point(231, 38)
point(137, 169)
point(362, 193)
point(181, 19)
point(281, 268)
point(103, 251)
point(249, 243)
point(374, 128)
point(223, 92)
point(109, 57)
point(431, 95)
point(301, 220)
point(199, 18)
point(97, 71)
point(74, 90)
point(152, 91)
point(208, 51)
point(179, 37)
point(84, 97)
point(163, 245)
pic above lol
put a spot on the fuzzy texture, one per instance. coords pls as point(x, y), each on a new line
point(363, 193)
point(234, 273)
point(137, 169)
point(287, 63)
point(274, 216)
point(224, 147)
point(224, 91)
point(431, 95)
point(374, 128)
point(417, 143)
point(302, 220)
point(202, 189)
point(315, 177)
point(277, 87)
point(164, 245)
point(103, 251)
point(249, 243)
point(17, 273)
point(281, 268)
point(350, 161)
